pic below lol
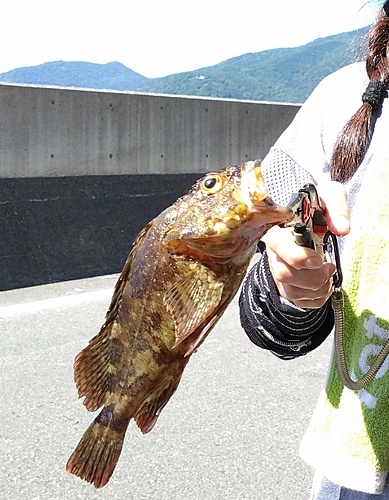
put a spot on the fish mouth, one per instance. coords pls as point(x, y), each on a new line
point(252, 183)
point(256, 196)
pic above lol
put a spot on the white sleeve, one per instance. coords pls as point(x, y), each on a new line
point(303, 152)
point(283, 176)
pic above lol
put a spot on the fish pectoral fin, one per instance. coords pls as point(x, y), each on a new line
point(192, 298)
point(148, 413)
point(93, 367)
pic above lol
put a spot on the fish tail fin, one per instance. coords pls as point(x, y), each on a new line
point(97, 453)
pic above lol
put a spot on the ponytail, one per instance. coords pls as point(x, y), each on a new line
point(353, 141)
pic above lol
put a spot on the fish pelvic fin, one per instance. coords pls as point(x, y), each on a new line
point(200, 335)
point(98, 451)
point(149, 411)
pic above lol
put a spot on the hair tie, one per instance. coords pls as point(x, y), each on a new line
point(374, 93)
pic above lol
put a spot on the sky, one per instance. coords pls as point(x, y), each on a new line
point(160, 37)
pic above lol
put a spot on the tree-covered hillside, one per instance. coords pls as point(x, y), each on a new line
point(280, 75)
point(113, 75)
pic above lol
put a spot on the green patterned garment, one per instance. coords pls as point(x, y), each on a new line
point(348, 438)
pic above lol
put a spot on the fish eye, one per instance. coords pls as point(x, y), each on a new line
point(212, 184)
point(209, 183)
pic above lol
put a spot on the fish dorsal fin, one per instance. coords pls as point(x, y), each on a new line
point(123, 278)
point(192, 298)
point(92, 366)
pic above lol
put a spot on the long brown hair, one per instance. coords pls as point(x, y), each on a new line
point(353, 141)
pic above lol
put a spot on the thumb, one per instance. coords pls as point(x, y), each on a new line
point(334, 198)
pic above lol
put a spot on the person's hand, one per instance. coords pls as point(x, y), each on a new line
point(300, 273)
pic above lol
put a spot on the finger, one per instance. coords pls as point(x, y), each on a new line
point(334, 199)
point(305, 298)
point(308, 281)
point(280, 245)
point(296, 294)
point(311, 304)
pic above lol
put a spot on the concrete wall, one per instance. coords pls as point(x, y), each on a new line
point(82, 171)
point(64, 132)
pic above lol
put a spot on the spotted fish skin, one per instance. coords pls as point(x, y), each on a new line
point(184, 269)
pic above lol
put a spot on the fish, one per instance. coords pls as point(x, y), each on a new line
point(184, 268)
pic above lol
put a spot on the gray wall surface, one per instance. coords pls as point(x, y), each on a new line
point(82, 171)
point(64, 132)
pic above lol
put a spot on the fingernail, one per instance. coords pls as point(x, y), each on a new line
point(342, 224)
point(313, 262)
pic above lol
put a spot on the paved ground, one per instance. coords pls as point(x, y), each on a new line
point(230, 432)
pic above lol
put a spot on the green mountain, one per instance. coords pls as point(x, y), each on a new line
point(113, 76)
point(278, 75)
point(281, 75)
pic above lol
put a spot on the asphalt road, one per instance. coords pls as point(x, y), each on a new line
point(231, 431)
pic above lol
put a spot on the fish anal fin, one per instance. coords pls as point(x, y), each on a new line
point(192, 298)
point(149, 411)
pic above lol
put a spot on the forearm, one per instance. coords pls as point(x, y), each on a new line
point(273, 323)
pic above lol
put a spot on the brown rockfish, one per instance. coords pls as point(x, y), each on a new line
point(184, 269)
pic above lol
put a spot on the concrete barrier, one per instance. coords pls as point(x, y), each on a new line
point(82, 171)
